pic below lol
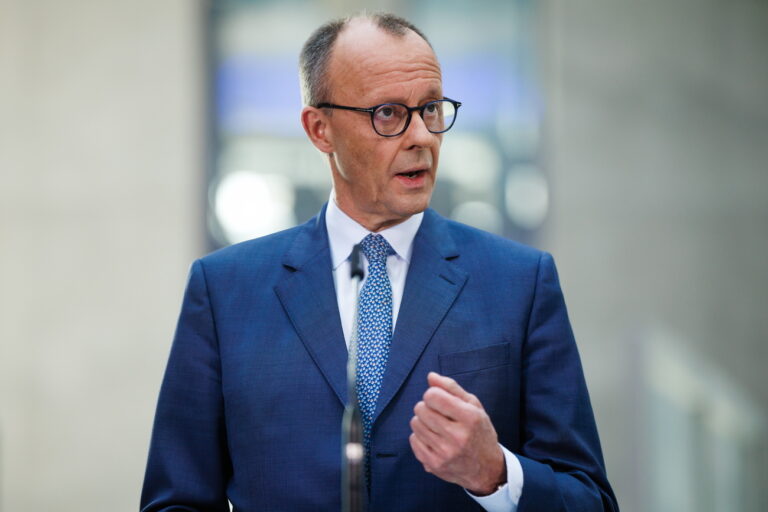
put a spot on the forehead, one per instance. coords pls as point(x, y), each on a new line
point(371, 65)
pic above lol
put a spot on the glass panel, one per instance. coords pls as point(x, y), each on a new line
point(256, 129)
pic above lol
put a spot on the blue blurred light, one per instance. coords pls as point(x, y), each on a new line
point(258, 94)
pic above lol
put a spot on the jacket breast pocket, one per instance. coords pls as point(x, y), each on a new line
point(492, 374)
point(492, 356)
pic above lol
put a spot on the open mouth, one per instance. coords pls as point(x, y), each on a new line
point(412, 174)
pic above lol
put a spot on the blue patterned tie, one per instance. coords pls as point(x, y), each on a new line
point(374, 332)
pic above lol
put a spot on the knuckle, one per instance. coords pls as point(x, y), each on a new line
point(462, 438)
point(474, 416)
point(450, 454)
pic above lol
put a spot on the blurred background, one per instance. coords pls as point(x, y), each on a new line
point(630, 139)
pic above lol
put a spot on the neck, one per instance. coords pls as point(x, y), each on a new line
point(372, 222)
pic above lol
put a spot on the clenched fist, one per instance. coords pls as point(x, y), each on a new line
point(454, 439)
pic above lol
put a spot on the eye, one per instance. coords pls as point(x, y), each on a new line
point(433, 108)
point(386, 112)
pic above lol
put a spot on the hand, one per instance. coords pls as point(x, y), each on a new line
point(454, 439)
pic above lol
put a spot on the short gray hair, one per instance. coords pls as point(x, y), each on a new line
point(313, 61)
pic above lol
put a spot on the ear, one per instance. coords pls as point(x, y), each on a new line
point(317, 126)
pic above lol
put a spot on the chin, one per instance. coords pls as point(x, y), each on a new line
point(414, 205)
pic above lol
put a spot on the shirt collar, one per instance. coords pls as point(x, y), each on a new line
point(344, 233)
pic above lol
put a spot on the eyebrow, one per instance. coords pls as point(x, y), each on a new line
point(435, 94)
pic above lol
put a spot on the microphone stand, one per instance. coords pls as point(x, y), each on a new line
point(353, 487)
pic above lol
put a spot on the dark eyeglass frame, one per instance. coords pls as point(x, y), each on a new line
point(410, 110)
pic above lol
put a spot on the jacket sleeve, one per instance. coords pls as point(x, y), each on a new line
point(188, 465)
point(563, 468)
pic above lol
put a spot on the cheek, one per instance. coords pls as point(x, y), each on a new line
point(353, 160)
point(385, 155)
point(366, 162)
point(375, 165)
point(436, 150)
point(366, 150)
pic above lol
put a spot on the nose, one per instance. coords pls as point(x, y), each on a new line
point(417, 134)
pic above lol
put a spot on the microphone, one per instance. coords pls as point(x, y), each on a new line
point(356, 263)
point(353, 487)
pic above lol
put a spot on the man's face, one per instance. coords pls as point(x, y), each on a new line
point(381, 181)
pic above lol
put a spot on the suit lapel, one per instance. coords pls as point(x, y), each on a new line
point(309, 299)
point(432, 285)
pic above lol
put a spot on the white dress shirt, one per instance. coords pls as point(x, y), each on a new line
point(343, 234)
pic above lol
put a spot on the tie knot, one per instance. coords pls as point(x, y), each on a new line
point(376, 248)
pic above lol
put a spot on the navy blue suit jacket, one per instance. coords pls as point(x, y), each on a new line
point(251, 403)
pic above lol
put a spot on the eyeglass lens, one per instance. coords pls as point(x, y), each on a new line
point(391, 119)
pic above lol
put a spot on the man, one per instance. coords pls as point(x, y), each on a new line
point(470, 384)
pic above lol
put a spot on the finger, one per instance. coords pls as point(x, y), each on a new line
point(453, 387)
point(435, 421)
point(422, 452)
point(426, 436)
point(448, 405)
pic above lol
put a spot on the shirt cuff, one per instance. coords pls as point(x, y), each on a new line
point(508, 495)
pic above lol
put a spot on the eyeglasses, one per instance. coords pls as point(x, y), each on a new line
point(392, 119)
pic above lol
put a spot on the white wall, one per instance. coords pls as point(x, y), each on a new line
point(100, 213)
point(657, 139)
